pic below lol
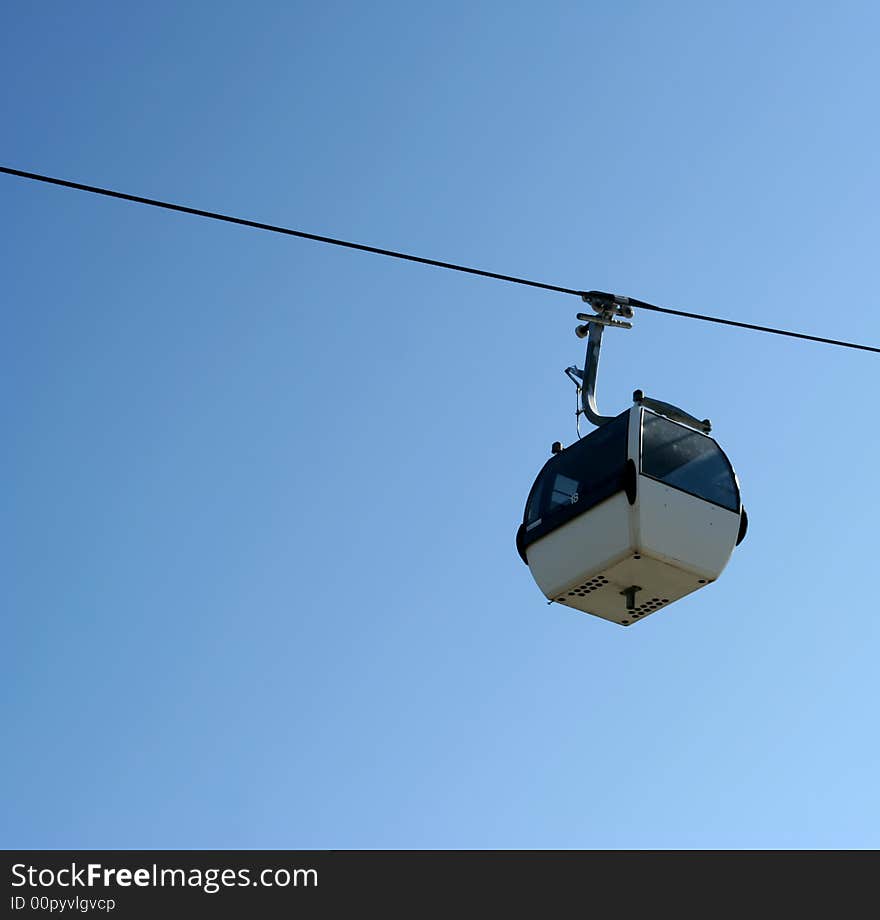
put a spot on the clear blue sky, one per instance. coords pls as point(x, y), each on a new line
point(260, 586)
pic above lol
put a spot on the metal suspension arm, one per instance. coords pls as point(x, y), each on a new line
point(591, 371)
point(593, 329)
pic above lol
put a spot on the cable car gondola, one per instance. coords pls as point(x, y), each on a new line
point(637, 514)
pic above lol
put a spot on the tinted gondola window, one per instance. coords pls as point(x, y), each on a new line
point(584, 474)
point(563, 490)
point(687, 460)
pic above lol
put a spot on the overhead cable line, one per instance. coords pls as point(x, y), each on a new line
point(391, 253)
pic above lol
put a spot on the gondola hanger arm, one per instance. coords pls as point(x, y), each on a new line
point(608, 313)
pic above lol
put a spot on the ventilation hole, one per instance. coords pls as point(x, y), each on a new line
point(651, 605)
point(594, 584)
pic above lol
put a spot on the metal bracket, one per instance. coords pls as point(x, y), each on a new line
point(608, 308)
point(603, 319)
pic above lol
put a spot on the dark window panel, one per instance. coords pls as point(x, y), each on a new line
point(584, 474)
point(687, 460)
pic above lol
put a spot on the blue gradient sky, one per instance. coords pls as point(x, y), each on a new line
point(261, 587)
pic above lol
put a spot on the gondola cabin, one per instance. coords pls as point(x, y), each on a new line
point(633, 516)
